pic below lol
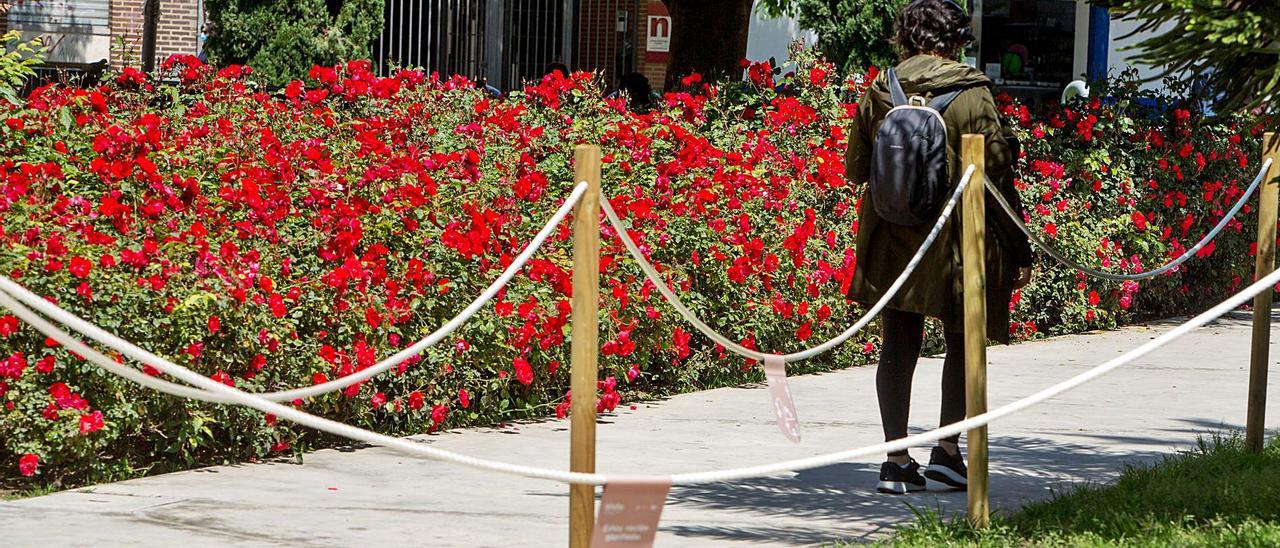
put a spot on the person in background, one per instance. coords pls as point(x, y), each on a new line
point(203, 39)
point(555, 68)
point(483, 84)
point(931, 35)
point(640, 95)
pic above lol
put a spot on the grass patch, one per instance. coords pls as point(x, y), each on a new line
point(1215, 495)
point(16, 494)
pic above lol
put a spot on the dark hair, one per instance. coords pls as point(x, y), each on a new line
point(637, 87)
point(557, 67)
point(932, 26)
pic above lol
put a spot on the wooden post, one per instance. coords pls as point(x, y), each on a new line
point(1259, 358)
point(584, 373)
point(974, 224)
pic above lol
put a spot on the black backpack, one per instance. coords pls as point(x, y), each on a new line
point(910, 178)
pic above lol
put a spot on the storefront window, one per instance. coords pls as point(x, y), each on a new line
point(1027, 47)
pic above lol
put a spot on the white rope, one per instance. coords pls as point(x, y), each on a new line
point(97, 334)
point(656, 278)
point(234, 395)
point(1266, 283)
point(230, 394)
point(419, 449)
point(1017, 219)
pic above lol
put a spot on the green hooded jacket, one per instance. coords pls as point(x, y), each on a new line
point(936, 287)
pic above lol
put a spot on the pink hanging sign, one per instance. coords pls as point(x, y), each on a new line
point(775, 372)
point(629, 511)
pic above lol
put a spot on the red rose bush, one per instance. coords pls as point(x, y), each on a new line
point(273, 239)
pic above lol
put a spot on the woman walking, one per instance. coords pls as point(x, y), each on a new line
point(931, 34)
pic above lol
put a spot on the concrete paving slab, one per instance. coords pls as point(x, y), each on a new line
point(370, 495)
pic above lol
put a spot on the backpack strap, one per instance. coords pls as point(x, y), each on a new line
point(941, 102)
point(896, 94)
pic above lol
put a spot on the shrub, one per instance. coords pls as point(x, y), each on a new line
point(274, 240)
point(1128, 183)
point(16, 61)
point(854, 34)
point(282, 39)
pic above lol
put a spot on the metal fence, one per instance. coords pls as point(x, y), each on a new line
point(508, 43)
point(81, 75)
point(446, 36)
point(535, 37)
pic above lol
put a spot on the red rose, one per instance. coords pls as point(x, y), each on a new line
point(222, 377)
point(524, 373)
point(28, 463)
point(818, 75)
point(13, 366)
point(91, 422)
point(276, 303)
point(439, 413)
point(8, 325)
point(416, 400)
point(1139, 220)
point(804, 332)
point(80, 267)
point(681, 339)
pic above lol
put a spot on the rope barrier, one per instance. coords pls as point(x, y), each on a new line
point(977, 421)
point(1017, 219)
point(209, 390)
point(433, 338)
point(655, 277)
point(418, 449)
point(229, 394)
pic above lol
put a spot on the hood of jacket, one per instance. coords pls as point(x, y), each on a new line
point(927, 73)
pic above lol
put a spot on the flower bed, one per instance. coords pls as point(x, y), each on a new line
point(280, 239)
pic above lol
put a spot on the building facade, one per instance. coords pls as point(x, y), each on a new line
point(507, 42)
point(83, 32)
point(1030, 48)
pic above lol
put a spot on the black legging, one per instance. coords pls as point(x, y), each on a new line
point(903, 334)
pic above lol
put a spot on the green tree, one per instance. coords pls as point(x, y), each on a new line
point(1233, 45)
point(16, 61)
point(282, 39)
point(853, 34)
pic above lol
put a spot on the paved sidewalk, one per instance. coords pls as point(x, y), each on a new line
point(372, 496)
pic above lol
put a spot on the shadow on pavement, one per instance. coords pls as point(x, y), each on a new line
point(841, 503)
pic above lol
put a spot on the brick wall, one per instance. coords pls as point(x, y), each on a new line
point(178, 31)
point(600, 42)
